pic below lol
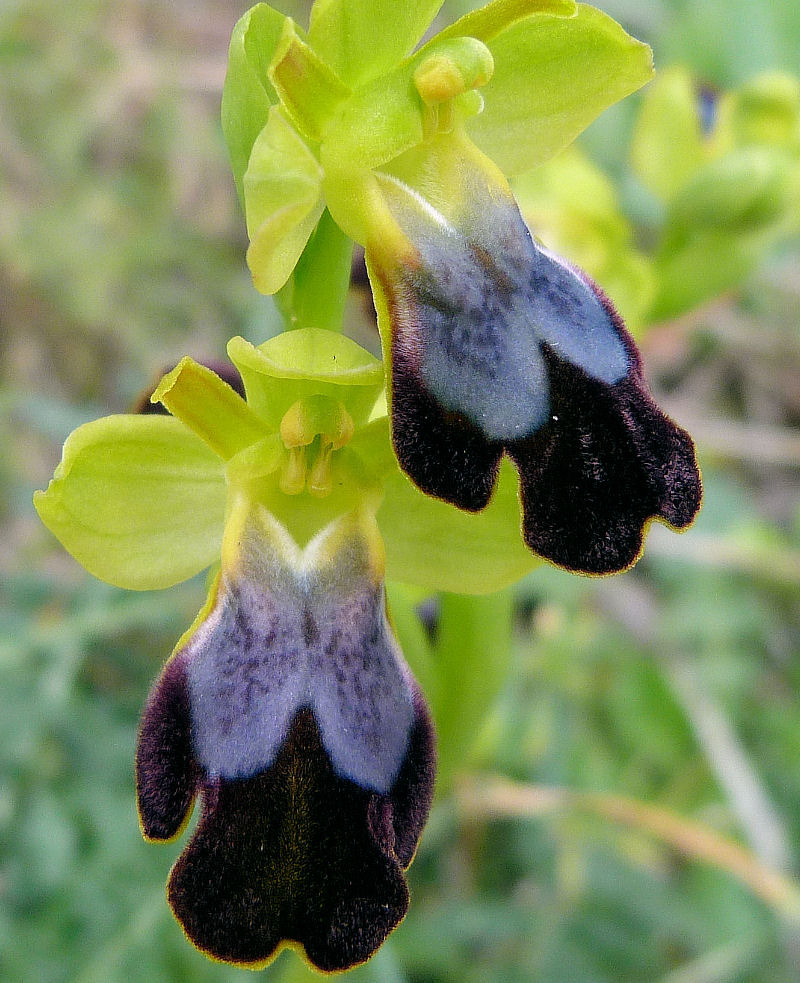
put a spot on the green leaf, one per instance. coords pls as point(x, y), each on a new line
point(209, 407)
point(668, 145)
point(283, 201)
point(307, 362)
point(552, 77)
point(138, 500)
point(361, 39)
point(248, 93)
point(309, 90)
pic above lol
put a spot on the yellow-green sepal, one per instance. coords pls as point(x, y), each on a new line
point(248, 93)
point(488, 21)
point(389, 117)
point(380, 121)
point(361, 39)
point(283, 201)
point(307, 362)
point(552, 76)
point(137, 500)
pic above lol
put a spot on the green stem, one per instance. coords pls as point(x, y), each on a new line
point(471, 657)
point(322, 278)
point(411, 633)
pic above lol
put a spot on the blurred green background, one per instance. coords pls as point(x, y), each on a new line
point(629, 811)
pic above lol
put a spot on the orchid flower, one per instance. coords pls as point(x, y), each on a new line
point(291, 712)
point(287, 707)
point(494, 346)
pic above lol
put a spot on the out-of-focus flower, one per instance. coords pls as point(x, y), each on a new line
point(725, 169)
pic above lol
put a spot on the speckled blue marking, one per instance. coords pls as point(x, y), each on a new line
point(484, 304)
point(278, 640)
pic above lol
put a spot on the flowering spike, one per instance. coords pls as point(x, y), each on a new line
point(287, 708)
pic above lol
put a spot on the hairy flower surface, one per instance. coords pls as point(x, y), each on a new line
point(498, 346)
point(290, 711)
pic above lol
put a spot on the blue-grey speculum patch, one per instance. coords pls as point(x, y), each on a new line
point(279, 640)
point(487, 313)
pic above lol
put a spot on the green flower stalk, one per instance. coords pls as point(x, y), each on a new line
point(508, 421)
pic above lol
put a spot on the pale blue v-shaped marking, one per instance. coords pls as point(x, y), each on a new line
point(481, 304)
point(280, 639)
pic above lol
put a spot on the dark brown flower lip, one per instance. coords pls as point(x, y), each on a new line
point(300, 855)
point(293, 855)
point(595, 470)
